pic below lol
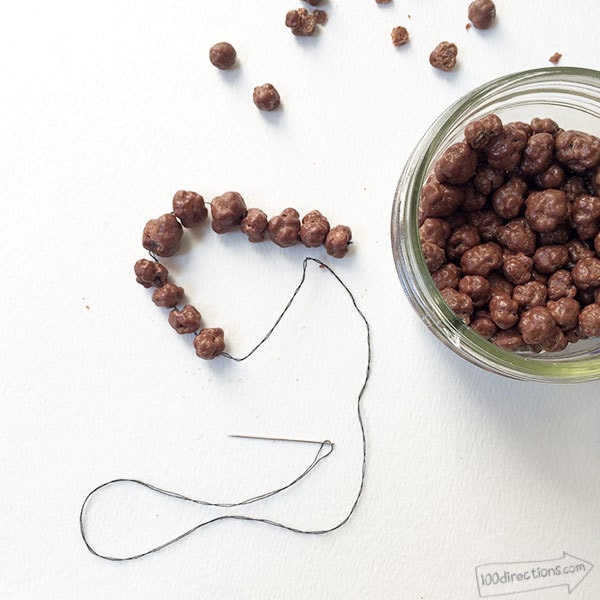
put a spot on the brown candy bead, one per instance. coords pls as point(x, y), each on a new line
point(565, 311)
point(578, 250)
point(435, 231)
point(459, 303)
point(487, 179)
point(482, 324)
point(456, 219)
point(548, 259)
point(301, 21)
point(456, 165)
point(227, 212)
point(399, 36)
point(585, 216)
point(586, 273)
point(504, 151)
point(314, 229)
point(544, 125)
point(150, 273)
point(573, 187)
point(209, 343)
point(338, 240)
point(167, 296)
point(510, 340)
point(460, 240)
point(474, 199)
point(254, 225)
point(481, 259)
point(508, 199)
point(504, 311)
point(499, 285)
point(578, 151)
point(162, 236)
point(446, 276)
point(538, 154)
point(556, 342)
point(552, 177)
point(517, 268)
point(189, 208)
point(597, 295)
point(587, 296)
point(560, 285)
point(575, 334)
point(537, 325)
point(443, 56)
point(438, 199)
point(516, 236)
point(559, 236)
point(186, 320)
point(482, 13)
point(266, 97)
point(487, 222)
point(476, 287)
point(320, 16)
point(284, 228)
point(539, 277)
point(546, 209)
point(589, 320)
point(222, 55)
point(524, 127)
point(597, 244)
point(530, 294)
point(479, 133)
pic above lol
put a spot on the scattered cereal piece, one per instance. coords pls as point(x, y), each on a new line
point(555, 58)
point(222, 55)
point(482, 13)
point(301, 21)
point(444, 56)
point(399, 36)
point(266, 97)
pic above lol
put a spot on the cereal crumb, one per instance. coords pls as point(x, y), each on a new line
point(399, 36)
point(320, 16)
point(555, 58)
point(444, 56)
point(468, 26)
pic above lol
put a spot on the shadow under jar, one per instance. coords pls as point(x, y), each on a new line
point(571, 97)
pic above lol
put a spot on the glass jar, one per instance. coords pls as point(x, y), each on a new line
point(570, 96)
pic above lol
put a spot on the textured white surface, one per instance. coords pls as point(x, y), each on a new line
point(108, 108)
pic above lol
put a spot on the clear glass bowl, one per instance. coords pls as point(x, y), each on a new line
point(571, 97)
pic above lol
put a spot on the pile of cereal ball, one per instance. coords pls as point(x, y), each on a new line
point(510, 232)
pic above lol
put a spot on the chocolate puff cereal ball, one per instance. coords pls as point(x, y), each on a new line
point(222, 55)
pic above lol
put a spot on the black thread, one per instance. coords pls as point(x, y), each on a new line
point(316, 460)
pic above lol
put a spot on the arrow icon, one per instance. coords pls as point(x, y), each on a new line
point(503, 579)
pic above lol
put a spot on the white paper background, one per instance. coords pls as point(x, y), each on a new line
point(106, 110)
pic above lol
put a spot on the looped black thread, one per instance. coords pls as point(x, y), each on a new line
point(326, 447)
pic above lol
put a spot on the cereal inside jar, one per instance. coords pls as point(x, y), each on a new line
point(510, 232)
